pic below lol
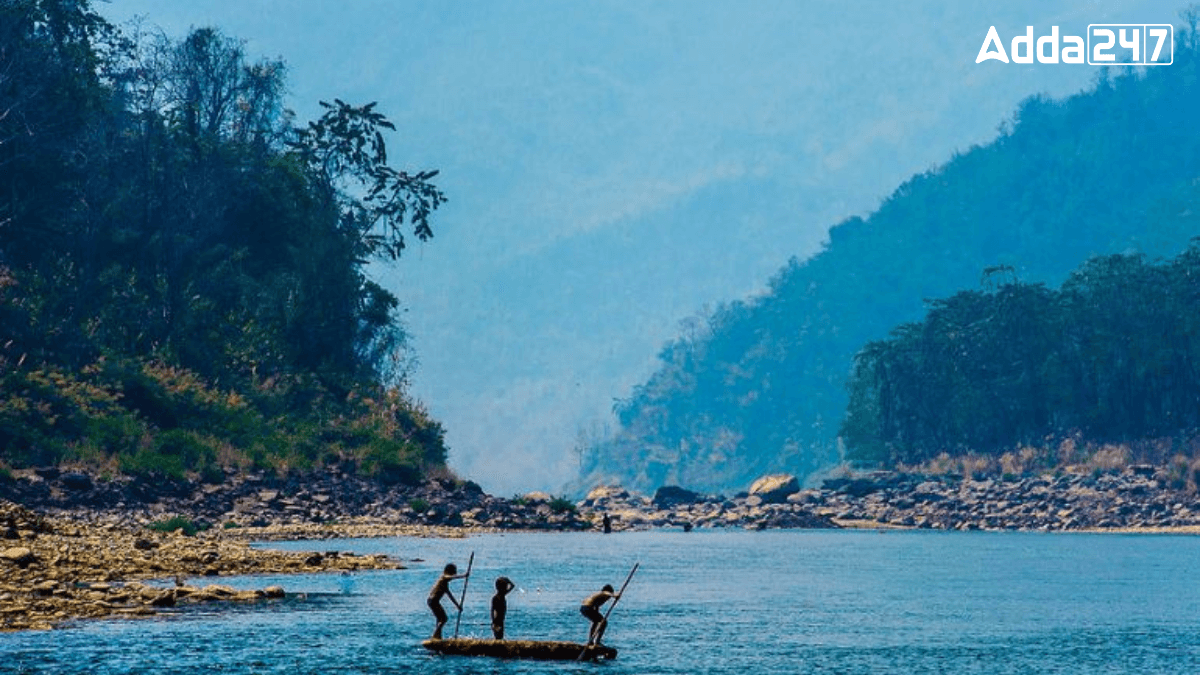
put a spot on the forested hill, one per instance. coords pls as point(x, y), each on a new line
point(759, 385)
point(182, 265)
point(1110, 358)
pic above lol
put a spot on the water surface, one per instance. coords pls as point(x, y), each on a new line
point(702, 602)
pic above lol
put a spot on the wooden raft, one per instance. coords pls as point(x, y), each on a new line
point(541, 650)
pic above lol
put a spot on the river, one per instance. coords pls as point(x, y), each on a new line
point(847, 602)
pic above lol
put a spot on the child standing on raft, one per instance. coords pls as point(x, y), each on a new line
point(441, 588)
point(591, 609)
point(500, 605)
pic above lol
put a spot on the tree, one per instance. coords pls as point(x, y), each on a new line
point(1108, 356)
point(346, 155)
point(175, 280)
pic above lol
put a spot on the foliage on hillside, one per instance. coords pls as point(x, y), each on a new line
point(182, 268)
point(759, 385)
point(1112, 356)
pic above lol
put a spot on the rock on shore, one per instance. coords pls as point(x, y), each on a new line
point(54, 570)
point(674, 507)
point(277, 507)
point(1136, 498)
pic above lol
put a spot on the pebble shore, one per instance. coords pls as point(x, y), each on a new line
point(54, 570)
point(82, 548)
point(1138, 498)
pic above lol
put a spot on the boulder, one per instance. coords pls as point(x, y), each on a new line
point(806, 497)
point(79, 482)
point(17, 555)
point(859, 487)
point(164, 598)
point(929, 491)
point(774, 489)
point(672, 495)
point(1144, 470)
point(219, 591)
point(603, 493)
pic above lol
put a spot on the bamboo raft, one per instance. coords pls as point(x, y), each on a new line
point(540, 650)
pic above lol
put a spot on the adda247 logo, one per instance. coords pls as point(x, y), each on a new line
point(1108, 44)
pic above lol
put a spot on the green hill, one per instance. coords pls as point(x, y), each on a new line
point(1111, 357)
point(759, 385)
point(182, 266)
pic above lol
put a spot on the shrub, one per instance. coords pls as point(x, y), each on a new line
point(171, 454)
point(150, 463)
point(114, 434)
point(391, 461)
point(419, 505)
point(212, 474)
point(185, 525)
point(151, 420)
point(265, 452)
point(562, 505)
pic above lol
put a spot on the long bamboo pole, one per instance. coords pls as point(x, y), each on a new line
point(462, 597)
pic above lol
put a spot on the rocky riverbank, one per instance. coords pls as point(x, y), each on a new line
point(1137, 498)
point(765, 507)
point(334, 504)
point(295, 506)
point(80, 545)
point(89, 544)
point(53, 570)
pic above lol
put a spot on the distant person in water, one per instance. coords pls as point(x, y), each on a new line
point(591, 610)
point(500, 605)
point(440, 588)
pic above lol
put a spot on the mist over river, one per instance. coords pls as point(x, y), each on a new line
point(798, 601)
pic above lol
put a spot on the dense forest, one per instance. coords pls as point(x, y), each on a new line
point(1113, 356)
point(182, 265)
point(760, 385)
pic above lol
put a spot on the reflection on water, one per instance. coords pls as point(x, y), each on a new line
point(347, 583)
point(702, 602)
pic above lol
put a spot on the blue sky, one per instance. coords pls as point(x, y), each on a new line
point(614, 168)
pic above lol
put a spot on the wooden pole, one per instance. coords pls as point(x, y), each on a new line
point(462, 597)
point(620, 594)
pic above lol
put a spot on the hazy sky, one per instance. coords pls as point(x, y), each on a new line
point(613, 168)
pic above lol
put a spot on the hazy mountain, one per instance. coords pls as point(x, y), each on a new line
point(758, 386)
point(613, 168)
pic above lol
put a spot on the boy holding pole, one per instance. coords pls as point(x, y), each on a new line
point(442, 588)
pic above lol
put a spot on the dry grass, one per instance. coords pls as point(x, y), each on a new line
point(1177, 460)
point(1108, 458)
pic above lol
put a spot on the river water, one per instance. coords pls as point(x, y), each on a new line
point(843, 602)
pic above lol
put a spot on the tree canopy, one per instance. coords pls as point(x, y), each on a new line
point(1112, 356)
point(183, 277)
